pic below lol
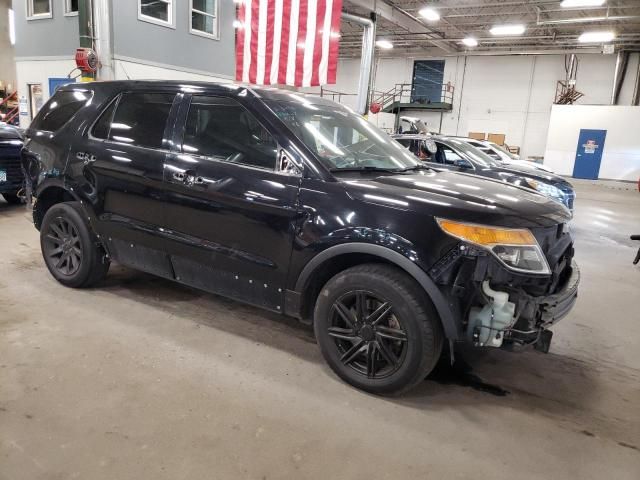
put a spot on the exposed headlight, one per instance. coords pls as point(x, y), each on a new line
point(516, 248)
point(545, 189)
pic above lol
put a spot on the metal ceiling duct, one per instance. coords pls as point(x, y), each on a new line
point(366, 62)
point(622, 61)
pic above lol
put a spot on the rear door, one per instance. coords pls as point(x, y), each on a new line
point(230, 211)
point(123, 160)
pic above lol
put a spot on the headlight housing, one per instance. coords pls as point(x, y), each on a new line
point(545, 189)
point(515, 248)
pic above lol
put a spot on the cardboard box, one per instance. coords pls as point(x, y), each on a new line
point(496, 138)
point(477, 135)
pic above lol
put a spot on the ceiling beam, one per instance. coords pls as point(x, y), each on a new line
point(404, 20)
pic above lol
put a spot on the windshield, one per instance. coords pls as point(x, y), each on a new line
point(342, 140)
point(473, 153)
point(504, 150)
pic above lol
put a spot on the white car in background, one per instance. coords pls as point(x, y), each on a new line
point(501, 154)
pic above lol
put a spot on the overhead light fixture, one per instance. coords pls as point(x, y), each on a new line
point(507, 30)
point(384, 44)
point(470, 42)
point(12, 27)
point(596, 37)
point(581, 3)
point(429, 14)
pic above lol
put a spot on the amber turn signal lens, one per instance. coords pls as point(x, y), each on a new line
point(487, 236)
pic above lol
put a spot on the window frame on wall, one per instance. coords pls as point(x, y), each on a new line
point(216, 23)
point(171, 15)
point(38, 16)
point(67, 9)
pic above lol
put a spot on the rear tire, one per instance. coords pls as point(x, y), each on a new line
point(70, 249)
point(377, 329)
point(12, 198)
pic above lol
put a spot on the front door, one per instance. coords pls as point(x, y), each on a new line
point(589, 154)
point(230, 213)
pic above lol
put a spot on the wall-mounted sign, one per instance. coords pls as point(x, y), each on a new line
point(23, 106)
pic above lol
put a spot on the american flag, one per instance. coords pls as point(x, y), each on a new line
point(288, 42)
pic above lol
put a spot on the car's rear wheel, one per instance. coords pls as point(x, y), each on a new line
point(12, 198)
point(377, 329)
point(70, 250)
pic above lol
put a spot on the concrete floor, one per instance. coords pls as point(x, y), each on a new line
point(145, 379)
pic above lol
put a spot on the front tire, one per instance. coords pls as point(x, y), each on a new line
point(70, 249)
point(377, 329)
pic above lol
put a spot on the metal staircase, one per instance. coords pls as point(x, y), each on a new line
point(9, 114)
point(401, 97)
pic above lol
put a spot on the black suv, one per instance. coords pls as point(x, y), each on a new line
point(297, 205)
point(11, 179)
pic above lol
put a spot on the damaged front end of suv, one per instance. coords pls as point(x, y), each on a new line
point(508, 284)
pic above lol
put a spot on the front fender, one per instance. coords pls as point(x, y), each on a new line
point(443, 306)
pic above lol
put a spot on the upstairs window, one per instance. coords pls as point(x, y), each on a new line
point(428, 76)
point(160, 12)
point(70, 7)
point(37, 9)
point(204, 18)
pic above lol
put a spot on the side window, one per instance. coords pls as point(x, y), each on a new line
point(60, 109)
point(102, 126)
point(449, 156)
point(140, 119)
point(222, 129)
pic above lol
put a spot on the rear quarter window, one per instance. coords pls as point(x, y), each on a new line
point(60, 109)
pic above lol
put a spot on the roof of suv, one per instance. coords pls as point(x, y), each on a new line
point(270, 93)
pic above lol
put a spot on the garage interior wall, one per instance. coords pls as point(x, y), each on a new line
point(500, 94)
point(621, 152)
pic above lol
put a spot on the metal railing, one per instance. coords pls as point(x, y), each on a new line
point(403, 93)
point(11, 114)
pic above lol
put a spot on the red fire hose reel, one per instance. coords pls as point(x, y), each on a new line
point(86, 60)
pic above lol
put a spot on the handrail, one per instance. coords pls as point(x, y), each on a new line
point(6, 99)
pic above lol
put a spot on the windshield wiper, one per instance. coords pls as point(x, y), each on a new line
point(415, 167)
point(366, 168)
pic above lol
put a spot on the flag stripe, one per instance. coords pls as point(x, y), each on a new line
point(262, 41)
point(240, 42)
point(253, 67)
point(334, 43)
point(319, 40)
point(293, 42)
point(301, 46)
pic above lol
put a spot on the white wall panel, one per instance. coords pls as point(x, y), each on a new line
point(621, 154)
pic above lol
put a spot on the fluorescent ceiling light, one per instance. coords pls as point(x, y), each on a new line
point(596, 37)
point(12, 27)
point(470, 42)
point(430, 14)
point(507, 30)
point(581, 3)
point(385, 44)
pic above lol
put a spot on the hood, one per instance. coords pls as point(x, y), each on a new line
point(525, 170)
point(7, 132)
point(458, 196)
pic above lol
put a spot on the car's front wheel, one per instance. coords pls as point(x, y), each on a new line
point(70, 249)
point(377, 329)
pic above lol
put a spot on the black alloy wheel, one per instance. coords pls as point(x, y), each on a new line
point(377, 328)
point(368, 334)
point(63, 247)
point(71, 251)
